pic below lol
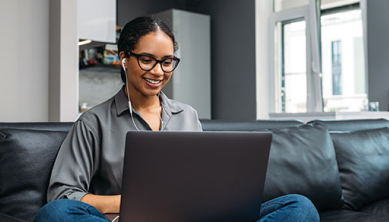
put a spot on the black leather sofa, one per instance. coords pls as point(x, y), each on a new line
point(342, 166)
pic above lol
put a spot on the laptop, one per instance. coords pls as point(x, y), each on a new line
point(194, 176)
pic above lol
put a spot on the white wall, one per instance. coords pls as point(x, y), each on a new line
point(378, 52)
point(24, 38)
point(63, 61)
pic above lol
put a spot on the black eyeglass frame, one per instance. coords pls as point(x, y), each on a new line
point(156, 61)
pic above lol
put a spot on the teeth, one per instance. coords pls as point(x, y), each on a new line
point(152, 81)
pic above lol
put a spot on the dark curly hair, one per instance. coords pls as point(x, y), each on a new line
point(138, 27)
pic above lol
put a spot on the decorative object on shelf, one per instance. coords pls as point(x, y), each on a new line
point(111, 55)
point(83, 107)
point(374, 106)
point(103, 56)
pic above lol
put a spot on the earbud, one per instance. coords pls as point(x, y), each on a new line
point(124, 67)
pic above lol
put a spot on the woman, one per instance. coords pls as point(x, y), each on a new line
point(87, 175)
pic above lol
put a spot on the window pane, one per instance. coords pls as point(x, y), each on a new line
point(336, 68)
point(344, 80)
point(280, 5)
point(293, 79)
point(327, 4)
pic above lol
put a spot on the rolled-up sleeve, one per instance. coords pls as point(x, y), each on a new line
point(76, 164)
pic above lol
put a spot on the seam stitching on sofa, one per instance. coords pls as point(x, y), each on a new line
point(3, 135)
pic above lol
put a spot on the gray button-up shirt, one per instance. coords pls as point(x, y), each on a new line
point(91, 157)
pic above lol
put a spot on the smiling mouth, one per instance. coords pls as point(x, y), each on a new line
point(153, 81)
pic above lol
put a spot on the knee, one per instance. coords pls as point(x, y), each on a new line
point(304, 208)
point(58, 205)
point(55, 209)
point(300, 200)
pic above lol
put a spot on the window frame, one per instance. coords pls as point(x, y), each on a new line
point(310, 15)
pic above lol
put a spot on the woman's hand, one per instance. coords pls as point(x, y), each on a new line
point(103, 203)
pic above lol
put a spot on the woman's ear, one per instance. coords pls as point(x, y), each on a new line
point(122, 55)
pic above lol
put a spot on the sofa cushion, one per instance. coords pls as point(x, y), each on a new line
point(26, 160)
point(343, 215)
point(363, 159)
point(379, 207)
point(302, 161)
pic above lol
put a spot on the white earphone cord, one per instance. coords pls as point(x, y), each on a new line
point(117, 217)
point(129, 101)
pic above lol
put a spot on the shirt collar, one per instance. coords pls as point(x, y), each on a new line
point(168, 105)
point(171, 106)
point(121, 102)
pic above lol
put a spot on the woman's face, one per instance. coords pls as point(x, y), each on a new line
point(149, 83)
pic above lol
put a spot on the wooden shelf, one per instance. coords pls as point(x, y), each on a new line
point(100, 66)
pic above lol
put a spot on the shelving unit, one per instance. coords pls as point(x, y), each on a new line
point(97, 81)
point(101, 67)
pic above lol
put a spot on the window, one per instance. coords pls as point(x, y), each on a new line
point(336, 68)
point(292, 62)
point(343, 69)
point(280, 5)
point(294, 75)
point(317, 56)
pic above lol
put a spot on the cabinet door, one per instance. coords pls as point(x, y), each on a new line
point(97, 20)
point(191, 81)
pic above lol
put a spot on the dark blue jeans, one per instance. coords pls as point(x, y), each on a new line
point(286, 208)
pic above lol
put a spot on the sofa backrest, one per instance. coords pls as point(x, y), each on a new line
point(208, 125)
point(352, 124)
point(255, 125)
point(49, 126)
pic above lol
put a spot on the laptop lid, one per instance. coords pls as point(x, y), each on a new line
point(194, 176)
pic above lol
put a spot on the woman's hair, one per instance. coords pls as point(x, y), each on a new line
point(135, 29)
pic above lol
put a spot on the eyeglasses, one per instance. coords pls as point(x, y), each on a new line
point(148, 62)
